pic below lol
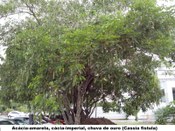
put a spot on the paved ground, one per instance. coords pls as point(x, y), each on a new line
point(133, 122)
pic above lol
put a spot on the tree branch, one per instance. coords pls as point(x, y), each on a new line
point(33, 13)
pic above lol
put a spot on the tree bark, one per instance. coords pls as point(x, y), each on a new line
point(81, 93)
point(66, 110)
point(79, 107)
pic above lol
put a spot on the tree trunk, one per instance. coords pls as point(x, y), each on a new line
point(74, 117)
point(66, 110)
point(81, 91)
point(79, 107)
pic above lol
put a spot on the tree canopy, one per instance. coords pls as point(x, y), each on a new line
point(70, 55)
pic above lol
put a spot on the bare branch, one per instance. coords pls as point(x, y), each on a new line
point(32, 13)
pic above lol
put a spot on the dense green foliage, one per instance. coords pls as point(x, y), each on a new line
point(71, 55)
point(166, 114)
point(12, 105)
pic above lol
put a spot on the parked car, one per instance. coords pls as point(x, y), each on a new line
point(16, 114)
point(6, 122)
point(21, 119)
point(54, 119)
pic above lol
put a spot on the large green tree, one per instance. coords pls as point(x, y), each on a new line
point(73, 54)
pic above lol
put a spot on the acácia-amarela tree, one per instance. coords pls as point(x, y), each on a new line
point(73, 54)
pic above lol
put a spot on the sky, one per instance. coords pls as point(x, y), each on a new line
point(2, 52)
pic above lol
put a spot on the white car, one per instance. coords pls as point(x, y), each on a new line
point(16, 114)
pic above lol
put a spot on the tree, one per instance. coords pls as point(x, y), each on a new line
point(71, 55)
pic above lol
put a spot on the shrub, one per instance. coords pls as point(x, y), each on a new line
point(166, 114)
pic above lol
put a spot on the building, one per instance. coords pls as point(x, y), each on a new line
point(166, 77)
